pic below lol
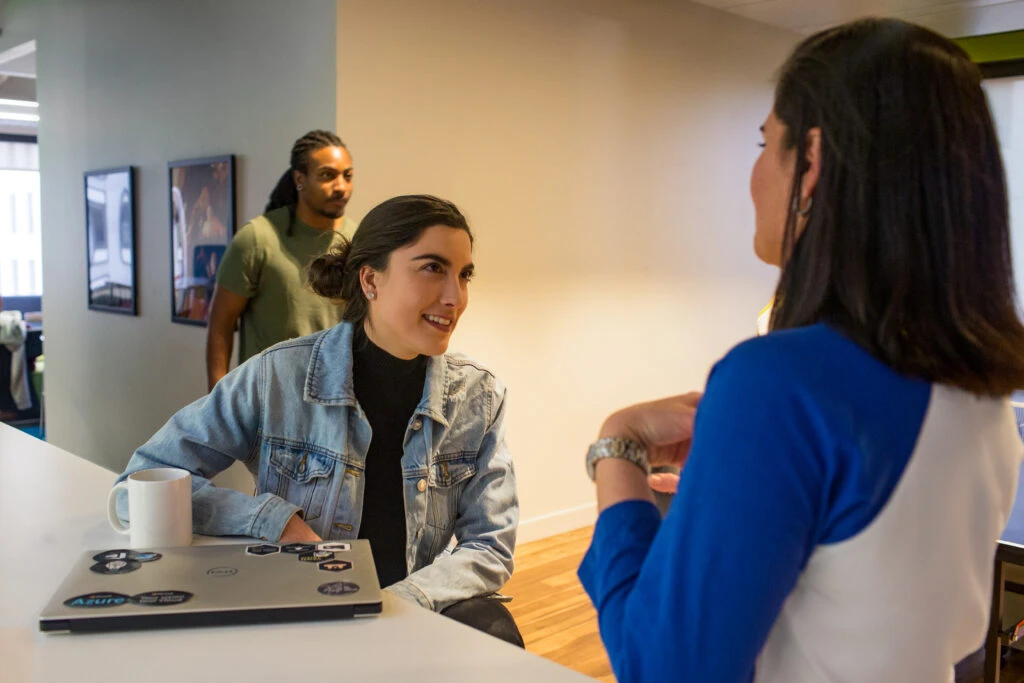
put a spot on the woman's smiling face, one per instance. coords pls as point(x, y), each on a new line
point(418, 299)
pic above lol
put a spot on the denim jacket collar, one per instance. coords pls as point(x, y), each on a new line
point(329, 377)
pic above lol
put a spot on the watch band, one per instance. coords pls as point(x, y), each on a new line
point(617, 447)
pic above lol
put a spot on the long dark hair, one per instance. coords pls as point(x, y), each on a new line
point(390, 225)
point(285, 193)
point(906, 248)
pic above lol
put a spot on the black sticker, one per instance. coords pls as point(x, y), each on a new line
point(161, 598)
point(97, 600)
point(221, 571)
point(119, 554)
point(316, 556)
point(338, 588)
point(334, 546)
point(265, 549)
point(298, 548)
point(335, 565)
point(124, 554)
point(116, 566)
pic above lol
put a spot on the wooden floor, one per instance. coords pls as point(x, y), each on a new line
point(552, 611)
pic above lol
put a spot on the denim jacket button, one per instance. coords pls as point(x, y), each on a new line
point(417, 425)
point(421, 485)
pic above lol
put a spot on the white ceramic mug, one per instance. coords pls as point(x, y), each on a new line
point(159, 506)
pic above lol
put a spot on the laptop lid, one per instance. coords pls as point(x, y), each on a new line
point(211, 585)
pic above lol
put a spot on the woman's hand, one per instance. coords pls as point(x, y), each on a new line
point(663, 427)
point(297, 531)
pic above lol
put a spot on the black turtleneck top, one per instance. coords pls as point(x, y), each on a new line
point(388, 389)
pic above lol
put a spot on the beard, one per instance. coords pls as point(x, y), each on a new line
point(331, 212)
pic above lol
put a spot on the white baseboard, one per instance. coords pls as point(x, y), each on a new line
point(536, 528)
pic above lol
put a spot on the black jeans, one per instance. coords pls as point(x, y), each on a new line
point(487, 615)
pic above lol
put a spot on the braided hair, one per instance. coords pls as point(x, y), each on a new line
point(285, 193)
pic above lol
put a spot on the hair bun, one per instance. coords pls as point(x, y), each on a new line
point(327, 272)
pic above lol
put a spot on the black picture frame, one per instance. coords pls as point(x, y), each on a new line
point(201, 211)
point(110, 261)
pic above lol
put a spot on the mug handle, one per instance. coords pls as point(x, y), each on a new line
point(115, 523)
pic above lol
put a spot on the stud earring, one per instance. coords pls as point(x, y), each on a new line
point(371, 295)
point(299, 187)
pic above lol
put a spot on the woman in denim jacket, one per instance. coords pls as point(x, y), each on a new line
point(370, 429)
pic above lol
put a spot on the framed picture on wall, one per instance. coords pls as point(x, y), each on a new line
point(110, 240)
point(202, 221)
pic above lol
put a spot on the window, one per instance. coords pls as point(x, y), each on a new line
point(20, 229)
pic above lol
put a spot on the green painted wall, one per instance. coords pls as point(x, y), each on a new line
point(995, 47)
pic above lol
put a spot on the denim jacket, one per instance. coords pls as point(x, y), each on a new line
point(290, 416)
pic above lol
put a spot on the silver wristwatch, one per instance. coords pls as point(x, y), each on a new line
point(617, 447)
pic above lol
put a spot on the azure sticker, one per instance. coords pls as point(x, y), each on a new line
point(97, 600)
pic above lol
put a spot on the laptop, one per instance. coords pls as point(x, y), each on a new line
point(215, 585)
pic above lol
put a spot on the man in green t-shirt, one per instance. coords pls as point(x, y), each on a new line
point(262, 278)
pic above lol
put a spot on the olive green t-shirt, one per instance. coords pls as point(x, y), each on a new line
point(269, 267)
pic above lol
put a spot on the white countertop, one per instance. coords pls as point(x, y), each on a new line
point(52, 508)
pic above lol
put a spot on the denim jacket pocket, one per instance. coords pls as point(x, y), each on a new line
point(446, 480)
point(300, 476)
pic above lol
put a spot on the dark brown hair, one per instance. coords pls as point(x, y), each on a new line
point(906, 249)
point(390, 225)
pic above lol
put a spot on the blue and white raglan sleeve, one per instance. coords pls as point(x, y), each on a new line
point(694, 597)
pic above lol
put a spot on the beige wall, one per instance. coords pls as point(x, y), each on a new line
point(143, 83)
point(602, 152)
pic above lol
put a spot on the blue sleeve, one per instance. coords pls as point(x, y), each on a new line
point(693, 597)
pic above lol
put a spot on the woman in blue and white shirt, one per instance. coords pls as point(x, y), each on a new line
point(845, 477)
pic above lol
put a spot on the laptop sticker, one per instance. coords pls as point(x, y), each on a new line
point(116, 566)
point(335, 565)
point(338, 588)
point(333, 546)
point(260, 550)
point(114, 555)
point(298, 548)
point(317, 556)
point(123, 554)
point(161, 598)
point(96, 600)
